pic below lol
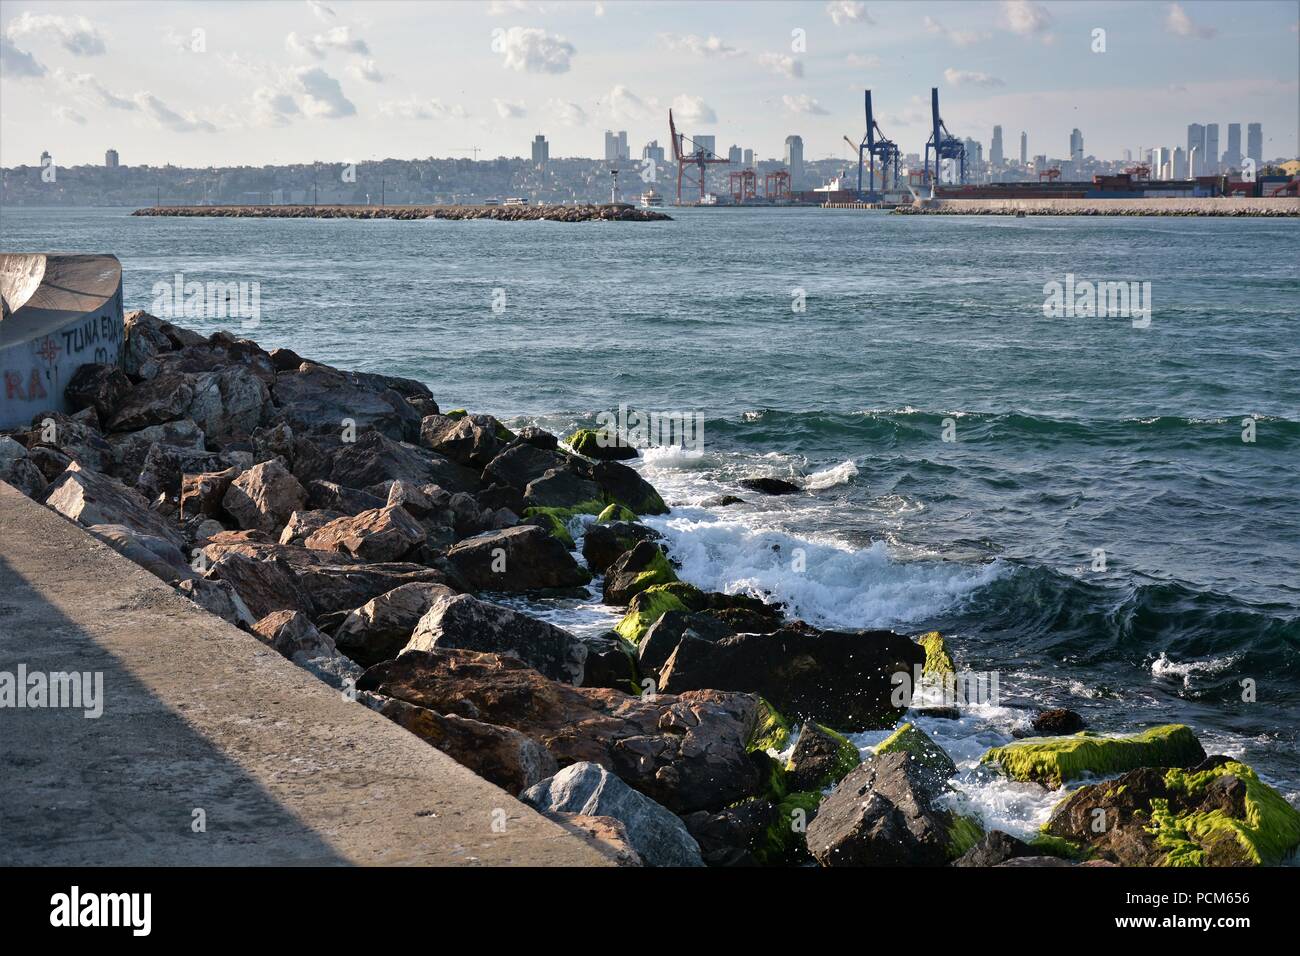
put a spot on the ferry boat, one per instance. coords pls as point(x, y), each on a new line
point(651, 198)
point(515, 201)
point(709, 199)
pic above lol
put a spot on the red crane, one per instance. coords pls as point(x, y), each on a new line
point(698, 157)
point(1140, 171)
point(1050, 174)
point(777, 185)
point(744, 185)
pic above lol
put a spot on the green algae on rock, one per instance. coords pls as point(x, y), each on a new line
point(783, 841)
point(771, 730)
point(916, 743)
point(964, 832)
point(601, 445)
point(555, 521)
point(653, 602)
point(938, 662)
point(616, 512)
point(1054, 760)
point(822, 758)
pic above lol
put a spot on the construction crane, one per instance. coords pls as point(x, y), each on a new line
point(877, 147)
point(468, 149)
point(698, 157)
point(944, 144)
point(1050, 175)
point(1140, 171)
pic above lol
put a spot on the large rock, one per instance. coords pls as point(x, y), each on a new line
point(665, 634)
point(202, 493)
point(995, 849)
point(605, 835)
point(463, 621)
point(924, 752)
point(144, 341)
point(316, 398)
point(331, 496)
point(603, 544)
point(842, 679)
point(564, 488)
point(1218, 813)
point(821, 758)
point(380, 628)
point(729, 837)
point(623, 486)
point(18, 470)
point(470, 440)
point(219, 598)
point(158, 556)
point(90, 498)
point(658, 836)
point(130, 449)
point(228, 401)
point(264, 497)
point(525, 558)
point(687, 752)
point(165, 466)
point(374, 458)
point(303, 524)
point(294, 635)
point(511, 760)
point(384, 534)
point(602, 445)
point(642, 567)
point(770, 486)
point(1054, 760)
point(77, 436)
point(882, 814)
point(98, 386)
point(520, 463)
point(158, 400)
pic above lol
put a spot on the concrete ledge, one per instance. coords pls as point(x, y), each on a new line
point(199, 715)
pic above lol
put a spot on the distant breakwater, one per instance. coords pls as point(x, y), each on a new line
point(1207, 206)
point(618, 212)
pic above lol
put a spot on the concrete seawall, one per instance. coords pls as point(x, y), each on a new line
point(202, 722)
point(1210, 206)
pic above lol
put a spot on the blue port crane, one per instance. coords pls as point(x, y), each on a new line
point(878, 147)
point(944, 144)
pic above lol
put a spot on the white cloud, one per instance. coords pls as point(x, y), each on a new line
point(782, 63)
point(1179, 23)
point(17, 63)
point(804, 104)
point(366, 70)
point(532, 50)
point(1028, 19)
point(337, 38)
point(709, 46)
point(693, 109)
point(848, 11)
point(869, 61)
point(323, 13)
point(570, 114)
point(66, 114)
point(416, 109)
point(321, 95)
point(626, 105)
point(508, 109)
point(77, 35)
point(273, 107)
point(90, 90)
point(165, 116)
point(955, 37)
point(499, 8)
point(970, 78)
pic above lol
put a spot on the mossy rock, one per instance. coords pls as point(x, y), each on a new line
point(648, 606)
point(555, 521)
point(822, 758)
point(621, 584)
point(1266, 834)
point(783, 841)
point(963, 834)
point(1054, 760)
point(616, 512)
point(771, 730)
point(915, 742)
point(938, 661)
point(1050, 845)
point(600, 444)
point(456, 413)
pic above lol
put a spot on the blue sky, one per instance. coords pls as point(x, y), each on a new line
point(278, 82)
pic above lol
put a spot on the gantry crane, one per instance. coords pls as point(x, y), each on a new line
point(875, 145)
point(944, 144)
point(699, 157)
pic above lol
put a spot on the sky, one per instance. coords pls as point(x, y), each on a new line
point(221, 83)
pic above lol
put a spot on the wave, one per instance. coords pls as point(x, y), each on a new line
point(840, 474)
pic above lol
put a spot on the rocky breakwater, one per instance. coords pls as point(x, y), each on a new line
point(585, 212)
point(360, 531)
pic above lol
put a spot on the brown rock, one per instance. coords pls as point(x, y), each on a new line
point(90, 498)
point(98, 386)
point(264, 497)
point(201, 494)
point(303, 524)
point(524, 558)
point(384, 534)
point(380, 628)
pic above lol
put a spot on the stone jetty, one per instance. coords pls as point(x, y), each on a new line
point(1155, 206)
point(587, 212)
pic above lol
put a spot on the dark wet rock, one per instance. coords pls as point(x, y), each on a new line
point(601, 445)
point(686, 752)
point(770, 486)
point(375, 458)
point(538, 437)
point(622, 485)
point(636, 570)
point(659, 837)
point(463, 621)
point(563, 487)
point(664, 635)
point(264, 497)
point(331, 496)
point(721, 501)
point(382, 627)
point(519, 463)
point(611, 662)
point(1058, 722)
point(821, 758)
point(98, 386)
point(90, 498)
point(285, 360)
point(603, 544)
point(525, 558)
point(496, 497)
point(838, 678)
point(996, 847)
point(511, 760)
point(940, 713)
point(728, 837)
point(470, 440)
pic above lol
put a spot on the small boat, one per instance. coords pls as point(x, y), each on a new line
point(515, 201)
point(651, 198)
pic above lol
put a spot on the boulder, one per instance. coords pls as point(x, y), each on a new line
point(652, 603)
point(463, 621)
point(519, 463)
point(995, 848)
point(98, 386)
point(144, 341)
point(924, 752)
point(76, 436)
point(938, 660)
point(18, 469)
point(1054, 760)
point(496, 496)
point(470, 440)
point(721, 501)
point(770, 486)
point(129, 449)
point(221, 350)
point(330, 496)
point(553, 522)
point(219, 598)
point(621, 485)
point(319, 399)
point(1218, 813)
point(538, 437)
point(380, 628)
point(155, 401)
point(420, 501)
point(666, 633)
point(159, 556)
point(821, 758)
point(303, 524)
point(264, 497)
point(374, 458)
point(834, 677)
point(228, 401)
point(602, 445)
point(611, 662)
point(729, 837)
point(511, 760)
point(1058, 722)
point(603, 544)
point(265, 586)
point(642, 567)
point(293, 635)
point(90, 498)
point(165, 466)
point(658, 836)
point(524, 558)
point(686, 752)
point(565, 488)
point(384, 534)
point(605, 835)
point(882, 814)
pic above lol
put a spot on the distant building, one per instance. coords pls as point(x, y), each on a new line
point(1179, 161)
point(1232, 155)
point(1024, 148)
point(652, 150)
point(1210, 166)
point(616, 146)
point(1196, 141)
point(1076, 148)
point(995, 148)
point(735, 156)
point(1255, 143)
point(45, 157)
point(1158, 161)
point(794, 160)
point(110, 159)
point(1194, 161)
point(708, 143)
point(1128, 155)
point(541, 150)
point(974, 156)
point(749, 157)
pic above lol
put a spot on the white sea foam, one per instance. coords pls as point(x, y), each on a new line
point(1163, 667)
point(841, 474)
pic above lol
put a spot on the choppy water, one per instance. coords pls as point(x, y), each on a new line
point(1072, 434)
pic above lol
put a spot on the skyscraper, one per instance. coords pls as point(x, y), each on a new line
point(652, 150)
point(707, 142)
point(1179, 161)
point(616, 146)
point(1024, 147)
point(541, 151)
point(1211, 163)
point(794, 160)
point(1232, 155)
point(749, 157)
point(1196, 141)
point(110, 159)
point(1076, 147)
point(995, 148)
point(1255, 143)
point(735, 155)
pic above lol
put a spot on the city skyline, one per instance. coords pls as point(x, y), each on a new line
point(295, 82)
